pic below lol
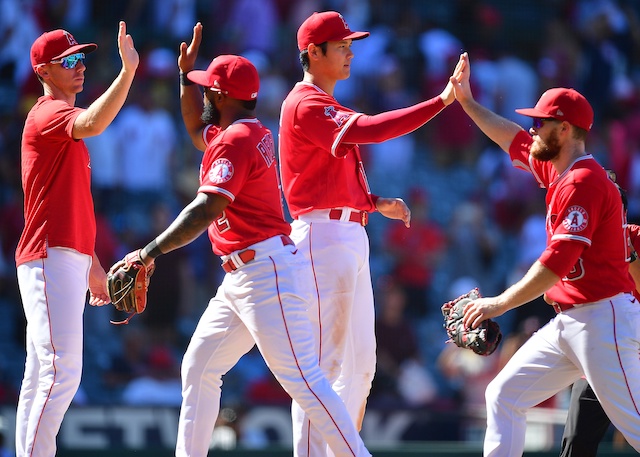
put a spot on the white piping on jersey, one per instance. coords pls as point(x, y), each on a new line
point(565, 236)
point(562, 175)
point(343, 131)
point(307, 83)
point(568, 169)
point(253, 120)
point(216, 190)
point(204, 133)
point(519, 164)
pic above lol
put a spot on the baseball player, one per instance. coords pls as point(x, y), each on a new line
point(328, 195)
point(587, 422)
point(264, 295)
point(583, 272)
point(55, 257)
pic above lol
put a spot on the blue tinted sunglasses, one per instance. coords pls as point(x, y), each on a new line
point(538, 122)
point(71, 61)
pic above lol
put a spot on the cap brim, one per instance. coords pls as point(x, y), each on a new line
point(86, 48)
point(199, 77)
point(532, 112)
point(357, 36)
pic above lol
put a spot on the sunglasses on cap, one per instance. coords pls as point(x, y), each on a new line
point(538, 122)
point(71, 61)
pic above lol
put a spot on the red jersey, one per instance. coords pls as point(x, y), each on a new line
point(583, 206)
point(240, 164)
point(56, 180)
point(319, 171)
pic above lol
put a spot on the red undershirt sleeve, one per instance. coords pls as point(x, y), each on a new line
point(374, 199)
point(392, 124)
point(561, 256)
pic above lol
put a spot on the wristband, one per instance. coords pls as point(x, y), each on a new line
point(184, 81)
point(153, 250)
point(633, 257)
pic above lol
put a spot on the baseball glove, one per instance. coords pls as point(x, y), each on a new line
point(483, 340)
point(127, 283)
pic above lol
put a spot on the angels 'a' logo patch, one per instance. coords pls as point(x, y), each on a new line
point(339, 117)
point(576, 219)
point(221, 171)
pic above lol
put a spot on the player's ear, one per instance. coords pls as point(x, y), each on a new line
point(313, 51)
point(42, 71)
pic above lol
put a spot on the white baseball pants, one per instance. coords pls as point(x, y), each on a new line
point(54, 292)
point(600, 340)
point(342, 316)
point(265, 303)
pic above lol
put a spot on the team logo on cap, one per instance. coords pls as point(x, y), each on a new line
point(70, 39)
point(221, 171)
point(576, 219)
point(344, 22)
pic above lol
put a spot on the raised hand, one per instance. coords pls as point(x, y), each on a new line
point(460, 79)
point(448, 94)
point(128, 53)
point(188, 55)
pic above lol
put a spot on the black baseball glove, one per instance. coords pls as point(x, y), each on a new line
point(483, 340)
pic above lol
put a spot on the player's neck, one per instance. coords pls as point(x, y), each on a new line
point(569, 155)
point(226, 119)
point(59, 94)
point(326, 84)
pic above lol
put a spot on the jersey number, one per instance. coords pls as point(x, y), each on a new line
point(576, 272)
point(222, 223)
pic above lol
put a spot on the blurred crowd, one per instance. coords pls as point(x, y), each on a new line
point(476, 220)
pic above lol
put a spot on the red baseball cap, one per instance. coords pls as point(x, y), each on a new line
point(232, 75)
point(55, 45)
point(327, 26)
point(562, 104)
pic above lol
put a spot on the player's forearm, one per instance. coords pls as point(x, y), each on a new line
point(535, 283)
point(192, 221)
point(191, 109)
point(99, 115)
point(392, 124)
point(96, 267)
point(188, 226)
point(499, 129)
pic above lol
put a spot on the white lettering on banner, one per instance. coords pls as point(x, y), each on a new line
point(386, 429)
point(102, 428)
point(276, 420)
point(82, 429)
point(98, 428)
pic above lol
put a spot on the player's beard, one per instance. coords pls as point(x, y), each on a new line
point(210, 114)
point(546, 151)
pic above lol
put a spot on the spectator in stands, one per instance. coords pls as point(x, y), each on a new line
point(401, 377)
point(416, 253)
point(160, 385)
